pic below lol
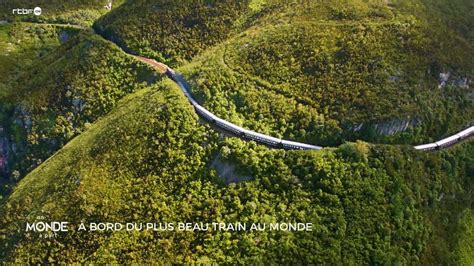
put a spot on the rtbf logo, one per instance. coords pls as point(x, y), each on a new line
point(27, 11)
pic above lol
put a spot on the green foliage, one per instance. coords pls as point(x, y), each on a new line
point(303, 71)
point(184, 28)
point(315, 80)
point(149, 160)
point(65, 90)
point(21, 45)
point(358, 151)
point(465, 248)
point(78, 12)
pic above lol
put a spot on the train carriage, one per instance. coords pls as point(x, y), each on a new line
point(426, 147)
point(263, 138)
point(446, 142)
point(237, 130)
point(269, 140)
point(466, 133)
point(205, 113)
point(297, 145)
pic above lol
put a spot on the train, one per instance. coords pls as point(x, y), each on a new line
point(276, 142)
point(233, 128)
point(446, 142)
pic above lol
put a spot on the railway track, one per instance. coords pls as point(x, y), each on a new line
point(259, 137)
point(269, 140)
point(221, 123)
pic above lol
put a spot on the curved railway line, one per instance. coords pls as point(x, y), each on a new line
point(221, 123)
point(259, 137)
point(269, 140)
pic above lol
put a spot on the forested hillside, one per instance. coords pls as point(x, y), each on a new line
point(43, 106)
point(184, 28)
point(391, 73)
point(77, 12)
point(90, 134)
point(150, 160)
point(35, 117)
point(465, 244)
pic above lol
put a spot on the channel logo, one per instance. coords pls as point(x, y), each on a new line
point(26, 11)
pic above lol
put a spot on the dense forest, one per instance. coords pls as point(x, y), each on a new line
point(323, 63)
point(63, 93)
point(185, 28)
point(338, 79)
point(150, 158)
point(76, 12)
point(89, 134)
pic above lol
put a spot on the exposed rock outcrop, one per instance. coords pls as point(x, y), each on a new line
point(443, 79)
point(228, 171)
point(387, 128)
point(395, 126)
point(4, 144)
point(463, 82)
point(459, 81)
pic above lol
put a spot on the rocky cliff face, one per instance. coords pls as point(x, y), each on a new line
point(395, 126)
point(461, 81)
point(388, 128)
point(4, 144)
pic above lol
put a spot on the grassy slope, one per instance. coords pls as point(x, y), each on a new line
point(21, 45)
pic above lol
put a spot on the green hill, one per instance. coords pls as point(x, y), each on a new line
point(128, 147)
point(321, 73)
point(150, 160)
point(184, 28)
point(78, 12)
point(62, 93)
point(22, 44)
